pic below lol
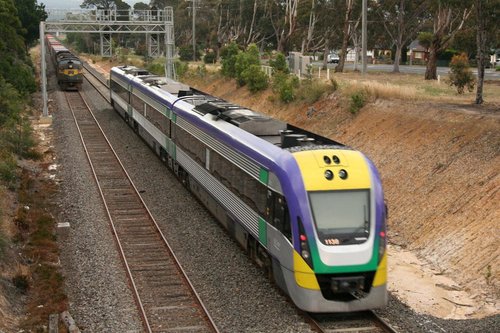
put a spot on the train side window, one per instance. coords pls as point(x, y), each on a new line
point(137, 104)
point(247, 188)
point(120, 91)
point(191, 145)
point(279, 216)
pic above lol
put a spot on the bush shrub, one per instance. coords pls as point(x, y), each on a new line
point(358, 100)
point(335, 84)
point(181, 68)
point(255, 78)
point(186, 53)
point(312, 90)
point(228, 59)
point(279, 64)
point(285, 86)
point(201, 70)
point(244, 60)
point(460, 74)
point(210, 58)
point(158, 69)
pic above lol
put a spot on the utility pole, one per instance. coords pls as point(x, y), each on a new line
point(194, 5)
point(43, 69)
point(364, 37)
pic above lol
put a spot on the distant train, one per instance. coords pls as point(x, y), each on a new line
point(308, 209)
point(69, 68)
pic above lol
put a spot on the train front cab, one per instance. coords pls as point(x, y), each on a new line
point(339, 261)
point(69, 72)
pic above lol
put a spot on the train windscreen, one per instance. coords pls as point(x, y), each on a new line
point(341, 217)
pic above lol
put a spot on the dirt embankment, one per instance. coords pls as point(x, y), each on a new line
point(440, 168)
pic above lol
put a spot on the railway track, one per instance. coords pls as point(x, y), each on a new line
point(163, 293)
point(356, 322)
point(97, 81)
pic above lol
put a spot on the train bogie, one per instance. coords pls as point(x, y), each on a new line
point(307, 209)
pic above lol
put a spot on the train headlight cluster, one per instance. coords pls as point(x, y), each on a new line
point(342, 174)
point(329, 160)
point(303, 245)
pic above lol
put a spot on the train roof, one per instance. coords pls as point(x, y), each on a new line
point(58, 48)
point(160, 82)
point(272, 130)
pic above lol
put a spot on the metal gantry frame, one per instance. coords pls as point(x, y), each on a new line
point(107, 22)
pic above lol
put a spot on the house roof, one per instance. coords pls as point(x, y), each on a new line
point(415, 46)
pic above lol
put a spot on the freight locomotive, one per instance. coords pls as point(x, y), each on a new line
point(68, 66)
point(308, 209)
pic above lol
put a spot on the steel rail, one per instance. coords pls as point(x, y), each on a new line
point(175, 260)
point(137, 297)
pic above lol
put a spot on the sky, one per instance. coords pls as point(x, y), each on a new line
point(73, 4)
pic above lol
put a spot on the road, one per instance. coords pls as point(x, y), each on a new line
point(489, 74)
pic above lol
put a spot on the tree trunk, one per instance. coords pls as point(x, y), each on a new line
point(250, 37)
point(481, 51)
point(397, 59)
point(431, 69)
point(345, 41)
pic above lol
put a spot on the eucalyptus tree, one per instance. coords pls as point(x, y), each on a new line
point(449, 17)
point(105, 4)
point(30, 13)
point(15, 64)
point(402, 19)
point(346, 34)
point(283, 16)
point(487, 33)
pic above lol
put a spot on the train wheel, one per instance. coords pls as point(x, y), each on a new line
point(252, 248)
point(267, 263)
point(163, 155)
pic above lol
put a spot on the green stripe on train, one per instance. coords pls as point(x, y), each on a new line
point(262, 231)
point(371, 265)
point(264, 176)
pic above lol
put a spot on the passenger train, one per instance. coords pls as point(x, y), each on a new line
point(308, 209)
point(69, 68)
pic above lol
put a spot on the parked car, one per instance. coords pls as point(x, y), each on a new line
point(333, 58)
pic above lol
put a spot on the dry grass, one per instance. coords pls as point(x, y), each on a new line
point(411, 87)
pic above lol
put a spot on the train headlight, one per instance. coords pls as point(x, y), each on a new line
point(336, 159)
point(327, 159)
point(343, 174)
point(329, 174)
point(304, 250)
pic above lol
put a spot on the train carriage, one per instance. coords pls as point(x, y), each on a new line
point(308, 209)
point(69, 68)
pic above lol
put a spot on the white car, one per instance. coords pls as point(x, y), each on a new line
point(333, 58)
